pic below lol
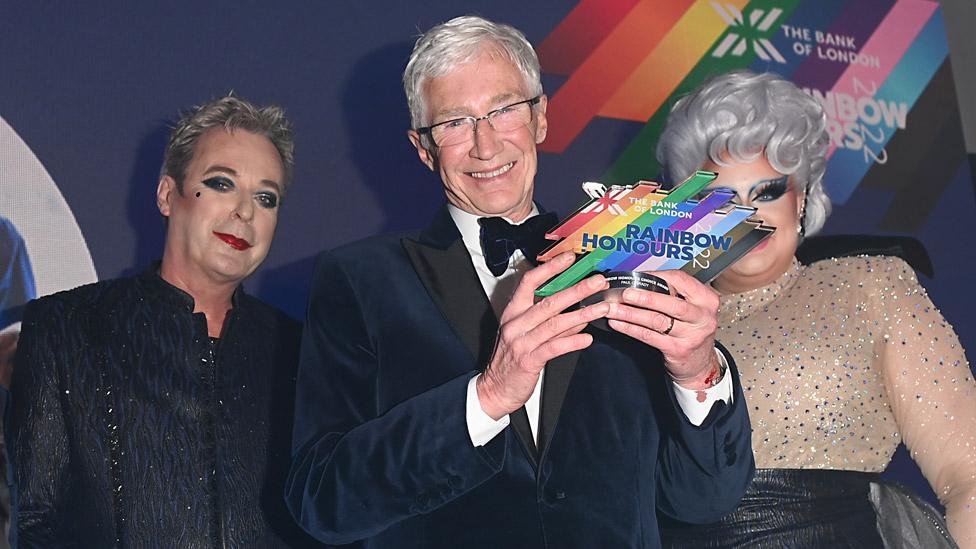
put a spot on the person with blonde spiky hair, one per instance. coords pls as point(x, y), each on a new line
point(156, 410)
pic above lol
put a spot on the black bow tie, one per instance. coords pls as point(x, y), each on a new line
point(500, 239)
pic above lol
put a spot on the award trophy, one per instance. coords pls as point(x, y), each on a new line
point(627, 232)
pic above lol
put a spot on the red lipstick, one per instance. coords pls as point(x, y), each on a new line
point(233, 241)
point(761, 245)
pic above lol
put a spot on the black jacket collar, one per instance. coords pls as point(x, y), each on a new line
point(166, 293)
point(441, 233)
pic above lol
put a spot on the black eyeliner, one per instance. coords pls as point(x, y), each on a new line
point(770, 188)
point(217, 181)
point(272, 200)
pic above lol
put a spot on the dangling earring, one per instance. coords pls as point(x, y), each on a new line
point(801, 228)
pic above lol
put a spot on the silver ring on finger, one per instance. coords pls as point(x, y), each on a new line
point(670, 327)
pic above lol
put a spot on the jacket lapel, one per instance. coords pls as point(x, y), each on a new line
point(444, 266)
point(559, 373)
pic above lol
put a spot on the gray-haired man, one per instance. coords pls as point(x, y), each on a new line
point(424, 417)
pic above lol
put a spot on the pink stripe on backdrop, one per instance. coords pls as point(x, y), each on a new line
point(889, 43)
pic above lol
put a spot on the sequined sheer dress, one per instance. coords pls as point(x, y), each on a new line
point(840, 361)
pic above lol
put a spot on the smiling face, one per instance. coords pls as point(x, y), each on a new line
point(220, 227)
point(493, 174)
point(758, 185)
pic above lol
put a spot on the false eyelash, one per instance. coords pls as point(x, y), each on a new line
point(771, 190)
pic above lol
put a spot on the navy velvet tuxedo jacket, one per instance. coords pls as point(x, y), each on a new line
point(382, 457)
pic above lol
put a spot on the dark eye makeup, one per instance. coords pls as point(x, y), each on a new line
point(771, 189)
point(267, 200)
point(766, 190)
point(219, 183)
point(223, 184)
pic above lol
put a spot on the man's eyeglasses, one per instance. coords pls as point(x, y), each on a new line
point(461, 130)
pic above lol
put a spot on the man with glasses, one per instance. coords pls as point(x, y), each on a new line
point(438, 405)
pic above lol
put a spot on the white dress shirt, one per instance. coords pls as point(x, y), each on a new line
point(481, 427)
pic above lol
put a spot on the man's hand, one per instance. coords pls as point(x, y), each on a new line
point(688, 346)
point(532, 334)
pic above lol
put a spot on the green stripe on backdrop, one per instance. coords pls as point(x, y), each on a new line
point(638, 159)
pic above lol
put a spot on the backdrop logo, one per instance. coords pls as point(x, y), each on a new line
point(630, 60)
point(744, 32)
point(828, 46)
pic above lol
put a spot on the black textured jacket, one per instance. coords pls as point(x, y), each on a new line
point(126, 432)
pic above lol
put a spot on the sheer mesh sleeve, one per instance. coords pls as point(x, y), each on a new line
point(931, 391)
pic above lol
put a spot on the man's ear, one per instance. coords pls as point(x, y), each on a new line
point(428, 158)
point(541, 124)
point(165, 193)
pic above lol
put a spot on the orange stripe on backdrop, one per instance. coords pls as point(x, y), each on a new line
point(597, 79)
point(580, 33)
point(644, 91)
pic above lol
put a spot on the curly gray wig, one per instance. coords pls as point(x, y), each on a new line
point(740, 115)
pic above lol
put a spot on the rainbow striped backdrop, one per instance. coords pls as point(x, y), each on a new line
point(630, 60)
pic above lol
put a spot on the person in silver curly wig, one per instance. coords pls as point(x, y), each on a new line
point(864, 321)
point(741, 115)
point(768, 142)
